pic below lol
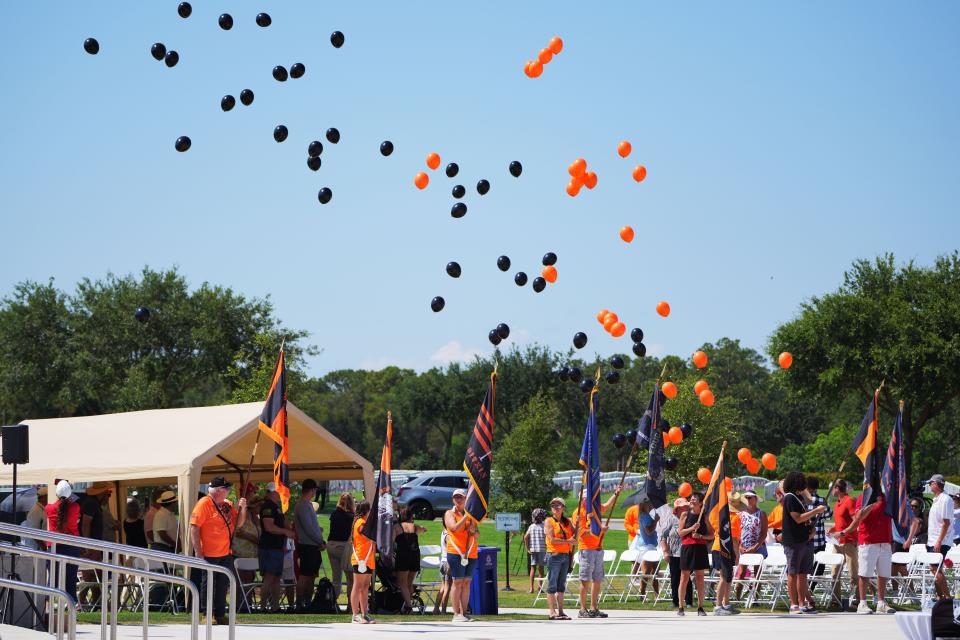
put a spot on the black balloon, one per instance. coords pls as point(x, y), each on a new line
point(636, 334)
point(686, 429)
point(619, 440)
point(171, 59)
point(263, 20)
point(520, 279)
point(437, 304)
point(452, 170)
point(280, 73)
point(616, 362)
point(314, 163)
point(539, 284)
point(564, 374)
point(246, 97)
point(336, 39)
point(297, 70)
point(631, 434)
point(453, 269)
point(228, 102)
point(91, 46)
point(325, 195)
point(503, 330)
point(503, 263)
point(575, 374)
point(494, 337)
point(386, 148)
point(639, 349)
point(516, 169)
point(458, 210)
point(586, 385)
point(613, 377)
point(580, 340)
point(184, 9)
point(549, 259)
point(458, 191)
point(142, 314)
point(314, 149)
point(182, 144)
point(158, 50)
point(482, 187)
point(225, 21)
point(280, 133)
point(671, 463)
point(333, 135)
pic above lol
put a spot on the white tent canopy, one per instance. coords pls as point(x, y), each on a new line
point(185, 447)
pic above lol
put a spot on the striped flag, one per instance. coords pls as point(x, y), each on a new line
point(865, 446)
point(717, 508)
point(380, 522)
point(650, 419)
point(894, 479)
point(273, 423)
point(479, 457)
point(590, 461)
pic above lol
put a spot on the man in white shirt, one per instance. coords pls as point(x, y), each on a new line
point(165, 523)
point(938, 529)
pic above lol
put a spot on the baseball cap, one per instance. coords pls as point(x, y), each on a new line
point(938, 478)
point(749, 494)
point(558, 500)
point(459, 492)
point(64, 490)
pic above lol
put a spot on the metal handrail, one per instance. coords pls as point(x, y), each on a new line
point(143, 573)
point(145, 554)
point(60, 595)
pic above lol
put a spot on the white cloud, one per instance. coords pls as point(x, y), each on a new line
point(453, 351)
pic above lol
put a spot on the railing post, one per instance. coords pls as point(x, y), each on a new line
point(210, 587)
point(114, 595)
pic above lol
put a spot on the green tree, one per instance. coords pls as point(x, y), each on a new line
point(885, 322)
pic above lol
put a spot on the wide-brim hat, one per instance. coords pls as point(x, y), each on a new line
point(167, 497)
point(220, 481)
point(734, 501)
point(680, 503)
point(97, 488)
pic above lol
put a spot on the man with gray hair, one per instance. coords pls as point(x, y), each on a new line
point(938, 529)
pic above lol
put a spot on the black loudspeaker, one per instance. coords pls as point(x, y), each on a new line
point(16, 444)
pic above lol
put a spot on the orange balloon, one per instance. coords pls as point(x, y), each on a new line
point(699, 359)
point(684, 489)
point(700, 386)
point(556, 45)
point(753, 466)
point(626, 233)
point(706, 398)
point(609, 322)
point(639, 173)
point(618, 329)
point(573, 189)
point(666, 439)
point(577, 167)
point(624, 149)
point(421, 180)
point(676, 435)
point(785, 359)
point(526, 69)
point(603, 314)
point(545, 55)
point(549, 274)
point(744, 455)
point(728, 484)
point(669, 389)
point(535, 69)
point(590, 179)
point(769, 461)
point(704, 475)
point(663, 308)
point(611, 314)
point(433, 160)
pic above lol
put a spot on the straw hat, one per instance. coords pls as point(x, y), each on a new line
point(167, 497)
point(98, 487)
point(734, 501)
point(680, 503)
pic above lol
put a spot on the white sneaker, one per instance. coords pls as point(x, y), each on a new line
point(458, 617)
point(883, 607)
point(863, 607)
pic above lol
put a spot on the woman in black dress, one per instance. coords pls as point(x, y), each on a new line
point(408, 555)
point(133, 532)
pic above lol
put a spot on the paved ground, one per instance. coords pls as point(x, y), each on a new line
point(658, 624)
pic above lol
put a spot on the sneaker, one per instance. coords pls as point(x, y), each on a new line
point(368, 620)
point(721, 611)
point(794, 609)
point(883, 607)
point(732, 610)
point(583, 613)
point(863, 607)
point(809, 611)
point(459, 617)
point(680, 612)
point(596, 613)
point(357, 619)
point(701, 612)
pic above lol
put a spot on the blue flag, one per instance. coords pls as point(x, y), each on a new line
point(894, 479)
point(590, 461)
point(656, 483)
point(650, 420)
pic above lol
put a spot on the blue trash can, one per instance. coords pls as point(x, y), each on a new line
point(483, 584)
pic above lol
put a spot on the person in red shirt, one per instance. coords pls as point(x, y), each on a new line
point(843, 515)
point(63, 516)
point(874, 535)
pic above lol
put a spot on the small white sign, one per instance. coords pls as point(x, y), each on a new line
point(508, 522)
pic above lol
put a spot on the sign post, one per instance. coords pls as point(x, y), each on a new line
point(508, 522)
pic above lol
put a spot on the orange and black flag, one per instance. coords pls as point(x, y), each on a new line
point(865, 446)
point(273, 423)
point(380, 523)
point(717, 509)
point(479, 457)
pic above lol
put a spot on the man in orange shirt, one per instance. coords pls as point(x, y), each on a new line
point(631, 523)
point(212, 524)
point(590, 547)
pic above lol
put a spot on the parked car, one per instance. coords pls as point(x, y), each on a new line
point(431, 493)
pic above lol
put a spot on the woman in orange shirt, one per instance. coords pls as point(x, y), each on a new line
point(560, 537)
point(363, 566)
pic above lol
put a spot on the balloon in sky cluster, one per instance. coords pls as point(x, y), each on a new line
point(264, 20)
point(228, 102)
point(171, 59)
point(314, 163)
point(520, 279)
point(280, 133)
point(333, 135)
point(453, 269)
point(280, 73)
point(452, 170)
point(516, 168)
point(91, 46)
point(336, 39)
point(182, 144)
point(297, 70)
point(246, 97)
point(184, 9)
point(386, 148)
point(315, 148)
point(225, 21)
point(503, 263)
point(458, 191)
point(158, 51)
point(325, 195)
point(458, 210)
point(482, 187)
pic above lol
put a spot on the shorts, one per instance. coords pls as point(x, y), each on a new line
point(538, 558)
point(944, 549)
point(558, 566)
point(874, 560)
point(310, 559)
point(641, 547)
point(271, 561)
point(799, 558)
point(693, 557)
point(457, 570)
point(724, 567)
point(367, 571)
point(591, 565)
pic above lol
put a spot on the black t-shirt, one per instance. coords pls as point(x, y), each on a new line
point(271, 511)
point(90, 506)
point(794, 532)
point(133, 533)
point(341, 526)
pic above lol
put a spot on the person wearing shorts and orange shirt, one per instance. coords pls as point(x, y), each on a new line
point(590, 547)
point(363, 562)
point(461, 553)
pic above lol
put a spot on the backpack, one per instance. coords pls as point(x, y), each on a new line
point(324, 598)
point(944, 620)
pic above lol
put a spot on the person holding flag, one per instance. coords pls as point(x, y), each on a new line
point(379, 525)
point(364, 565)
point(694, 532)
point(717, 507)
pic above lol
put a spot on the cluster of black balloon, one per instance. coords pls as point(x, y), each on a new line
point(502, 332)
point(314, 149)
point(228, 102)
point(639, 349)
point(297, 69)
point(574, 375)
point(520, 277)
point(159, 52)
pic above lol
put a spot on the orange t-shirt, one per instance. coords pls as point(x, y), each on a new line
point(362, 546)
point(214, 533)
point(558, 531)
point(775, 519)
point(631, 523)
point(461, 542)
point(586, 540)
point(715, 525)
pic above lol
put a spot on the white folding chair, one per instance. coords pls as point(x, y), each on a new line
point(647, 582)
point(429, 565)
point(155, 566)
point(904, 584)
point(248, 589)
point(770, 582)
point(928, 560)
point(751, 563)
point(828, 569)
point(572, 594)
point(951, 568)
point(622, 571)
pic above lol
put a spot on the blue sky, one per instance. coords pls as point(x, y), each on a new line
point(782, 142)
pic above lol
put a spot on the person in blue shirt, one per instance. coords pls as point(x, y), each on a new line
point(646, 540)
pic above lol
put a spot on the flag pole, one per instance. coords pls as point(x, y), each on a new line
point(244, 479)
point(843, 462)
point(723, 450)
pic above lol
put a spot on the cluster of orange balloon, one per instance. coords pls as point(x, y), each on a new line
point(421, 180)
point(702, 389)
point(611, 323)
point(534, 68)
point(675, 435)
point(580, 177)
point(639, 171)
point(746, 458)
